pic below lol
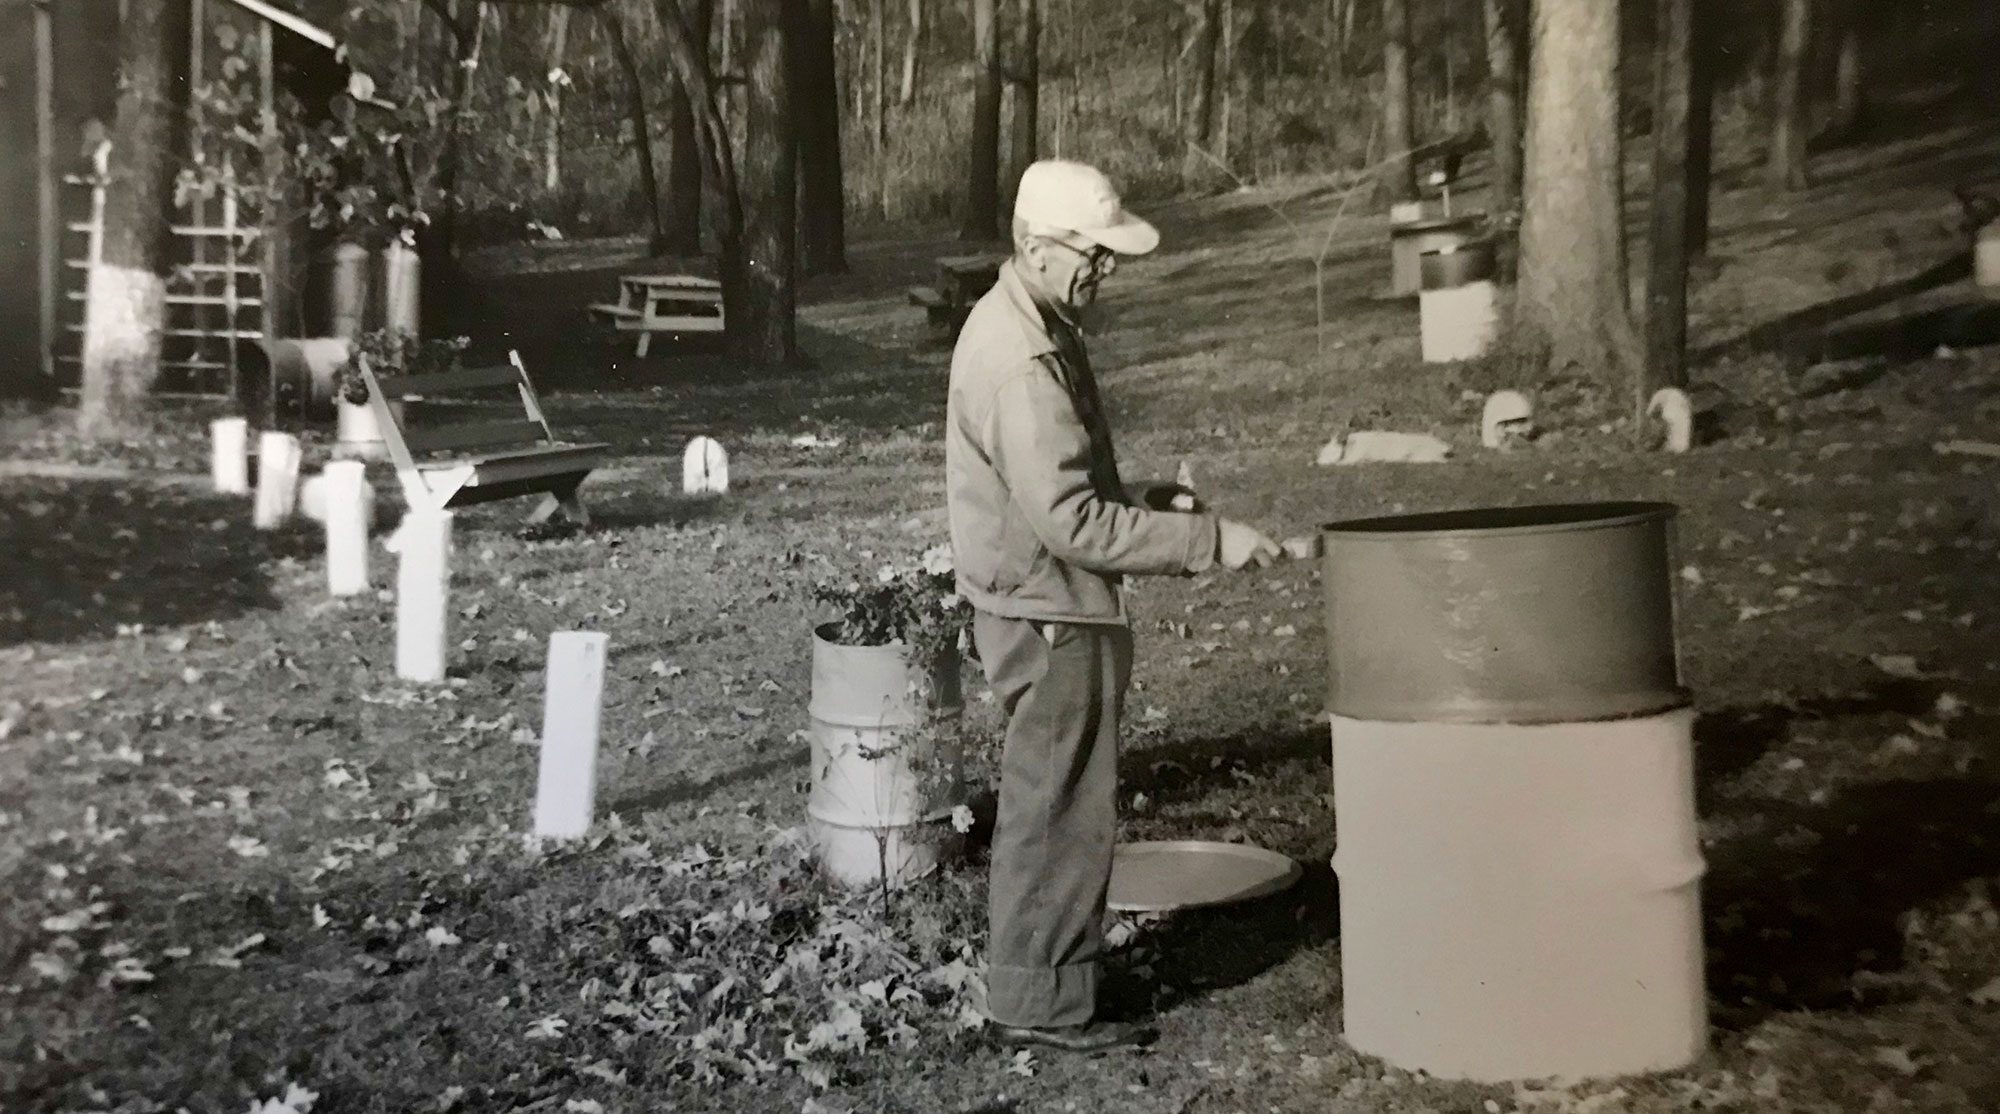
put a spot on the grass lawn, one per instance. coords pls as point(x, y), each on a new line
point(240, 857)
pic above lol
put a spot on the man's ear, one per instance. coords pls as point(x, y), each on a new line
point(1035, 251)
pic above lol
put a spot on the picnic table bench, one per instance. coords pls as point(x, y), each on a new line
point(460, 463)
point(961, 280)
point(649, 304)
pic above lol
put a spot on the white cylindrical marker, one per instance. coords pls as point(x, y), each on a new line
point(277, 479)
point(346, 527)
point(566, 790)
point(423, 578)
point(229, 458)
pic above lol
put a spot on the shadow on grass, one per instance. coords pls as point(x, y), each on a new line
point(1798, 335)
point(684, 790)
point(1788, 927)
point(78, 559)
point(1729, 741)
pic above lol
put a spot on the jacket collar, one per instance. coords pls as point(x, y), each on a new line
point(1025, 311)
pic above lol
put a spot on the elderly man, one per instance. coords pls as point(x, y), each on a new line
point(1043, 530)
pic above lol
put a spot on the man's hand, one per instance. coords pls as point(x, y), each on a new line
point(1161, 496)
point(1239, 546)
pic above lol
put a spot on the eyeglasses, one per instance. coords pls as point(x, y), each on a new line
point(1097, 258)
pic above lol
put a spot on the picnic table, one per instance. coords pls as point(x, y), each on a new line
point(649, 304)
point(961, 280)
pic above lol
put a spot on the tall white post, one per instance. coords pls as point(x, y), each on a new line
point(346, 485)
point(277, 479)
point(229, 455)
point(423, 576)
point(566, 791)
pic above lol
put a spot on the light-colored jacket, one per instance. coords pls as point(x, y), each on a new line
point(1041, 526)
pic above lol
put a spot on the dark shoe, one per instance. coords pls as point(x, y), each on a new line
point(1091, 1036)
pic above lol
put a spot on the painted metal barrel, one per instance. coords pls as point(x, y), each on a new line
point(1514, 791)
point(1534, 614)
point(885, 770)
point(1408, 241)
point(1458, 264)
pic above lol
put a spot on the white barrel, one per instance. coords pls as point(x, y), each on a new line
point(1520, 902)
point(1458, 322)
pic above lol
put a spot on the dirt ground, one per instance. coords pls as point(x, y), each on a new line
point(242, 859)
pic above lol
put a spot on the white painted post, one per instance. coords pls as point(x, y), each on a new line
point(346, 527)
point(277, 479)
point(423, 578)
point(566, 793)
point(229, 457)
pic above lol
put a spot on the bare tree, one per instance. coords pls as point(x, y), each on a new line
point(642, 128)
point(1666, 278)
point(1785, 167)
point(1572, 298)
point(689, 57)
point(767, 331)
point(1503, 101)
point(468, 36)
point(982, 169)
point(1849, 102)
point(816, 99)
point(1399, 175)
point(912, 47)
point(1204, 18)
point(125, 303)
point(878, 88)
point(1027, 78)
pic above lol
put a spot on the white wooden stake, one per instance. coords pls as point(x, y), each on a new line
point(229, 458)
point(277, 479)
point(346, 527)
point(566, 793)
point(423, 576)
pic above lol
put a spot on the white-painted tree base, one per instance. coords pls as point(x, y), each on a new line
point(705, 468)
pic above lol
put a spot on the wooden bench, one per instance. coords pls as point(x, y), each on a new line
point(478, 461)
point(649, 304)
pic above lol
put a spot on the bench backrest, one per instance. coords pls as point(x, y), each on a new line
point(407, 445)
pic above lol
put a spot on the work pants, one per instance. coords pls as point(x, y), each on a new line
point(1063, 687)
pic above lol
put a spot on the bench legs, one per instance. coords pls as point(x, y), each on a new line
point(563, 500)
point(645, 342)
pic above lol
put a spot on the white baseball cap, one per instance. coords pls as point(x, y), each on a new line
point(1075, 197)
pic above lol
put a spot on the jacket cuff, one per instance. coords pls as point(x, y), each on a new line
point(1204, 543)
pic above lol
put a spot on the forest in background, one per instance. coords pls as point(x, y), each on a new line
point(1298, 90)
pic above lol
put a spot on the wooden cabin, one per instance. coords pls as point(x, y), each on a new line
point(239, 264)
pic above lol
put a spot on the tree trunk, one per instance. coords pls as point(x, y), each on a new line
point(878, 88)
point(1785, 168)
point(982, 166)
point(467, 42)
point(552, 98)
point(1204, 18)
point(1503, 102)
point(822, 199)
point(911, 49)
point(1257, 44)
point(1225, 79)
point(1666, 277)
point(126, 294)
point(1572, 299)
point(1399, 175)
point(683, 204)
point(1848, 103)
point(767, 331)
point(1026, 124)
point(642, 128)
point(689, 57)
point(1701, 122)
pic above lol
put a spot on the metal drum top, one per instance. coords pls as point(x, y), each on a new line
point(1531, 614)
